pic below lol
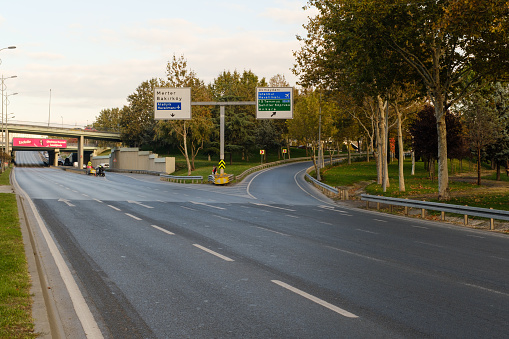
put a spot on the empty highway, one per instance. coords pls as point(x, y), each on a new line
point(267, 258)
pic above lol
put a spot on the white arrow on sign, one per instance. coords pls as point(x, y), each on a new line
point(67, 202)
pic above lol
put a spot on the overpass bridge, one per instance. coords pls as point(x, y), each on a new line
point(78, 133)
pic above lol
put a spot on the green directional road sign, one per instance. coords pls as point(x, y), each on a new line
point(274, 102)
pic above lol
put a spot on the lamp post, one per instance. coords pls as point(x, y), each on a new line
point(5, 139)
point(3, 88)
point(2, 102)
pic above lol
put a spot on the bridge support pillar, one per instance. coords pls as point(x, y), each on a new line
point(56, 156)
point(51, 157)
point(81, 146)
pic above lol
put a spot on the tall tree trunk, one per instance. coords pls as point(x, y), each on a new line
point(443, 173)
point(383, 142)
point(479, 165)
point(378, 153)
point(401, 158)
point(186, 154)
point(413, 162)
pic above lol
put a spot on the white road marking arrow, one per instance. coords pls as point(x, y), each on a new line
point(67, 202)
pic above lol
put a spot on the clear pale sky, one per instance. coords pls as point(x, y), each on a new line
point(93, 54)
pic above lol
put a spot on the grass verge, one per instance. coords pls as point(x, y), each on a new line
point(463, 186)
point(15, 299)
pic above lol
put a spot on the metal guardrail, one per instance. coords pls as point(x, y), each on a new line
point(181, 178)
point(321, 184)
point(436, 206)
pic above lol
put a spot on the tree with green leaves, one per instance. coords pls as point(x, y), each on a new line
point(498, 152)
point(240, 121)
point(483, 123)
point(108, 120)
point(137, 119)
point(450, 45)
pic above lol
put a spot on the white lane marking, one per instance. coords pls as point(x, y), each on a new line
point(428, 244)
point(84, 314)
point(67, 202)
point(163, 230)
point(292, 216)
point(380, 220)
point(474, 236)
point(132, 216)
point(279, 208)
point(115, 208)
point(486, 289)
point(269, 230)
point(188, 208)
point(138, 203)
point(315, 299)
point(98, 200)
point(357, 254)
point(85, 195)
point(225, 218)
point(213, 253)
point(201, 203)
point(330, 208)
point(422, 227)
point(75, 191)
point(302, 188)
point(325, 223)
point(366, 231)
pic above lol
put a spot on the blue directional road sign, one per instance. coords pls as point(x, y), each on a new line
point(172, 103)
point(274, 102)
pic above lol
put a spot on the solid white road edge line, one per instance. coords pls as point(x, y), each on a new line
point(315, 299)
point(80, 306)
point(213, 253)
point(163, 230)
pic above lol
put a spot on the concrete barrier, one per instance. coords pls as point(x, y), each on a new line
point(132, 159)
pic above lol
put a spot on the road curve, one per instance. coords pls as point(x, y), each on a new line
point(269, 257)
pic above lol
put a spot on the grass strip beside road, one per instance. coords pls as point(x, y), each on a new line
point(15, 299)
point(463, 186)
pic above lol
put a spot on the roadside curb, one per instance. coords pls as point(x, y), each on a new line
point(46, 322)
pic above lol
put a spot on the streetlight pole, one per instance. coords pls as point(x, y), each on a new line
point(3, 121)
point(6, 139)
point(2, 102)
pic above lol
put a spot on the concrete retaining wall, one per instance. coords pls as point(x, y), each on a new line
point(134, 159)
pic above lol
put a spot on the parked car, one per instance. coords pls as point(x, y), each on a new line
point(105, 165)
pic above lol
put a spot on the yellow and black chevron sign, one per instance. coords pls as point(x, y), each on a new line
point(222, 164)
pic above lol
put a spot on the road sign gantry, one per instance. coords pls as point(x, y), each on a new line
point(175, 104)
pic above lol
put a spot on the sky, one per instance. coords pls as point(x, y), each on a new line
point(74, 59)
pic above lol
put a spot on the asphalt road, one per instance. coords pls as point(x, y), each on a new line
point(267, 258)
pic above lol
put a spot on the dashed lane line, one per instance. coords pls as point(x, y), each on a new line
point(225, 258)
point(203, 204)
point(319, 301)
point(133, 216)
point(163, 230)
